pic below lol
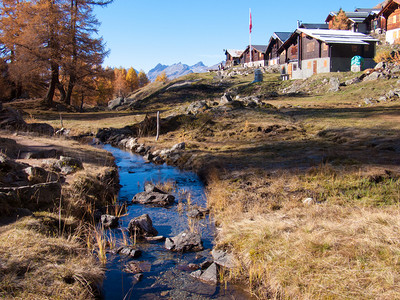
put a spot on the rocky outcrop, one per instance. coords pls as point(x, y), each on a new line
point(68, 165)
point(35, 196)
point(184, 242)
point(142, 227)
point(11, 119)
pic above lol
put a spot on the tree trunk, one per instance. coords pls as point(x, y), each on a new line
point(62, 91)
point(70, 88)
point(48, 99)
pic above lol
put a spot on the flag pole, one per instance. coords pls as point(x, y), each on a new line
point(250, 27)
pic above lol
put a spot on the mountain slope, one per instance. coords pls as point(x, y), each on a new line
point(176, 70)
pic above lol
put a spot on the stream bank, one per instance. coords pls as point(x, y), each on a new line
point(165, 274)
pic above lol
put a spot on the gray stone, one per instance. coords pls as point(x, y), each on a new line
point(225, 99)
point(196, 274)
point(184, 242)
point(142, 227)
point(368, 101)
point(352, 81)
point(372, 76)
point(197, 107)
point(128, 251)
point(380, 65)
point(179, 146)
point(335, 83)
point(109, 221)
point(192, 266)
point(223, 258)
point(140, 149)
point(258, 75)
point(210, 275)
point(390, 94)
point(150, 187)
point(158, 238)
point(308, 201)
point(153, 198)
point(115, 103)
point(382, 99)
point(68, 165)
point(197, 212)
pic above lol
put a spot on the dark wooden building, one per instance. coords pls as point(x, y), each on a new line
point(313, 51)
point(362, 19)
point(275, 42)
point(232, 57)
point(390, 19)
point(258, 58)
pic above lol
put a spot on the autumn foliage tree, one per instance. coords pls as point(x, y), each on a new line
point(143, 80)
point(162, 77)
point(132, 79)
point(46, 40)
point(341, 21)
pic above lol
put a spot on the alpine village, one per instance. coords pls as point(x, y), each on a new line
point(272, 175)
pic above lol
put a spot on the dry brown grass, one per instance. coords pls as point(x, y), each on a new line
point(345, 246)
point(36, 263)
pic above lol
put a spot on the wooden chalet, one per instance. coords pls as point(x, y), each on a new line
point(258, 56)
point(232, 57)
point(275, 42)
point(362, 20)
point(390, 19)
point(312, 51)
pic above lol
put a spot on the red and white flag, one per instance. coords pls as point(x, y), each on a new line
point(251, 23)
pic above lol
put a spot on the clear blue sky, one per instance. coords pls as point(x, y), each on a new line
point(142, 34)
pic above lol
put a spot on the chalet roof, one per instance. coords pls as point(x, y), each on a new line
point(234, 53)
point(283, 36)
point(345, 37)
point(390, 6)
point(354, 16)
point(370, 10)
point(259, 48)
point(338, 36)
point(314, 26)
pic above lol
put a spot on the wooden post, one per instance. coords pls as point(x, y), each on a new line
point(158, 125)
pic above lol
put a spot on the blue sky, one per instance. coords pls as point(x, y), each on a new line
point(142, 34)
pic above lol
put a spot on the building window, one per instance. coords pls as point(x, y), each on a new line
point(325, 63)
point(309, 65)
point(325, 47)
point(294, 67)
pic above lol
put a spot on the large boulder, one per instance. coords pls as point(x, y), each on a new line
point(155, 198)
point(115, 103)
point(142, 227)
point(184, 242)
point(41, 128)
point(334, 83)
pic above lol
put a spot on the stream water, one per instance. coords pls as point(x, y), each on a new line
point(166, 275)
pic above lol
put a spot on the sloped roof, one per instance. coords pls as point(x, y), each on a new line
point(283, 36)
point(354, 16)
point(234, 53)
point(390, 6)
point(259, 48)
point(338, 36)
point(370, 10)
point(314, 26)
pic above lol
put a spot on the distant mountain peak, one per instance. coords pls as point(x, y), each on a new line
point(176, 70)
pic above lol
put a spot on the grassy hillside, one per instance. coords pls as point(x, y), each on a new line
point(304, 186)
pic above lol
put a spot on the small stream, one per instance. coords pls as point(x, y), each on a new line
point(166, 275)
